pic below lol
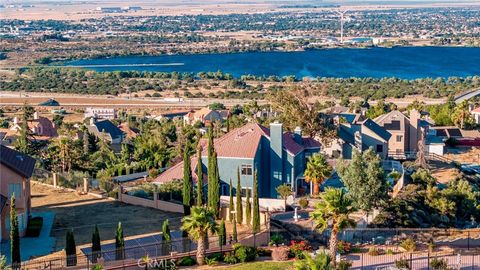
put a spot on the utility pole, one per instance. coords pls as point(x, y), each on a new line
point(342, 20)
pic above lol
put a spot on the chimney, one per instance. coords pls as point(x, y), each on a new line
point(276, 154)
point(414, 130)
point(297, 136)
point(35, 115)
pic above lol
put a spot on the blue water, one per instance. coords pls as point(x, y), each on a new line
point(401, 62)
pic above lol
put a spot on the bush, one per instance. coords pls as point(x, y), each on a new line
point(439, 264)
point(244, 253)
point(211, 261)
point(230, 258)
point(303, 202)
point(97, 267)
point(34, 227)
point(297, 249)
point(344, 265)
point(153, 173)
point(276, 240)
point(408, 245)
point(344, 247)
point(390, 252)
point(186, 261)
point(402, 263)
point(373, 251)
point(261, 252)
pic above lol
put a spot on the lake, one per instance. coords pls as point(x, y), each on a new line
point(401, 62)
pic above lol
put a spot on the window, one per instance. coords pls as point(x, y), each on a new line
point(247, 169)
point(379, 148)
point(245, 190)
point(15, 188)
point(399, 138)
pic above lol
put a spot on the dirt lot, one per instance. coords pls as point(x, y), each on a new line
point(81, 212)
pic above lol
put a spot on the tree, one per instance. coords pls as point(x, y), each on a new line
point(317, 171)
point(230, 202)
point(234, 232)
point(71, 249)
point(23, 142)
point(96, 246)
point(187, 181)
point(14, 235)
point(166, 237)
point(320, 262)
point(256, 206)
point(222, 234)
point(248, 210)
point(213, 177)
point(364, 179)
point(284, 191)
point(198, 224)
point(199, 177)
point(335, 209)
point(119, 243)
point(462, 117)
point(239, 206)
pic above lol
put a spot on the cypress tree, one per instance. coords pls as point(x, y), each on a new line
point(199, 177)
point(187, 181)
point(248, 210)
point(256, 206)
point(234, 233)
point(86, 142)
point(228, 123)
point(14, 235)
point(96, 246)
point(213, 177)
point(166, 237)
point(222, 234)
point(70, 249)
point(119, 243)
point(239, 207)
point(230, 203)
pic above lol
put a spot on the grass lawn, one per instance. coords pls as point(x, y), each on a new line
point(263, 266)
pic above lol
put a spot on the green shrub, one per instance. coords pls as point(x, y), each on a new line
point(409, 245)
point(344, 265)
point(276, 240)
point(245, 254)
point(373, 251)
point(230, 258)
point(34, 227)
point(402, 263)
point(390, 252)
point(211, 261)
point(97, 267)
point(217, 256)
point(344, 247)
point(439, 264)
point(186, 261)
point(262, 252)
point(298, 248)
point(303, 202)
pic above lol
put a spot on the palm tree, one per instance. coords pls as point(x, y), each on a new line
point(333, 210)
point(198, 224)
point(320, 262)
point(461, 114)
point(317, 171)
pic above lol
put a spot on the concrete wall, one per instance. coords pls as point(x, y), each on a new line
point(157, 204)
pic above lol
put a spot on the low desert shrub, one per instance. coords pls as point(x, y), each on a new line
point(303, 202)
point(186, 261)
point(244, 253)
point(230, 258)
point(344, 247)
point(374, 251)
point(402, 263)
point(439, 264)
point(344, 265)
point(408, 245)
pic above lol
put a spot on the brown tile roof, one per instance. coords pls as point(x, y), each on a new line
point(17, 161)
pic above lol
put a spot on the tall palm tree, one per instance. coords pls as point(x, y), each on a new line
point(333, 210)
point(198, 224)
point(317, 171)
point(461, 114)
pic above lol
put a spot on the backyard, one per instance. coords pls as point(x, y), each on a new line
point(81, 213)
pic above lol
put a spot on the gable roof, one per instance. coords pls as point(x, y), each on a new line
point(384, 117)
point(380, 131)
point(17, 161)
point(108, 127)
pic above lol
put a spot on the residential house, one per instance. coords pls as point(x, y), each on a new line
point(476, 115)
point(42, 128)
point(406, 131)
point(15, 172)
point(100, 113)
point(360, 135)
point(128, 131)
point(106, 130)
point(172, 115)
point(205, 116)
point(277, 157)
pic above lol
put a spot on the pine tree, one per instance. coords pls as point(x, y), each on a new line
point(222, 234)
point(166, 237)
point(199, 177)
point(86, 142)
point(14, 234)
point(248, 210)
point(96, 246)
point(213, 177)
point(70, 249)
point(230, 203)
point(22, 143)
point(119, 243)
point(256, 206)
point(187, 181)
point(239, 207)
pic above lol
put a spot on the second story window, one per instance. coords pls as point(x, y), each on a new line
point(379, 148)
point(247, 169)
point(399, 138)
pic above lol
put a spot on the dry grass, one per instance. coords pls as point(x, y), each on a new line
point(81, 212)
